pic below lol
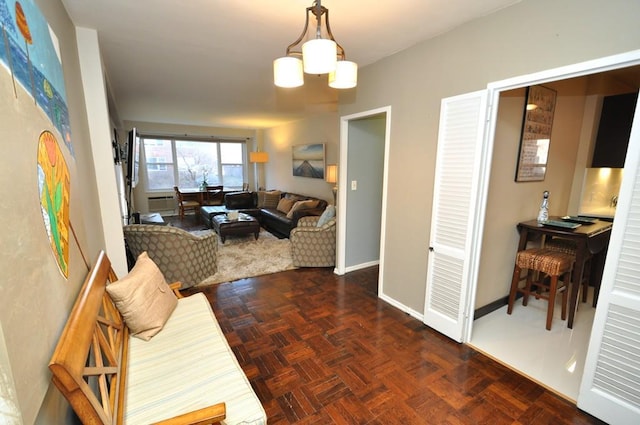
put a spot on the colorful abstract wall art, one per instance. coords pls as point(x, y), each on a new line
point(30, 52)
point(53, 185)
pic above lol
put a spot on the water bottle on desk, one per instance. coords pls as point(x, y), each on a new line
point(543, 214)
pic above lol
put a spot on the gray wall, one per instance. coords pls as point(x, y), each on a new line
point(530, 36)
point(278, 141)
point(364, 205)
point(35, 298)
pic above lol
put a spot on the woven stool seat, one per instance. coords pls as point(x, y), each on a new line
point(569, 247)
point(561, 245)
point(544, 267)
point(545, 260)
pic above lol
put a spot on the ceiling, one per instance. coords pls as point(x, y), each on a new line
point(209, 62)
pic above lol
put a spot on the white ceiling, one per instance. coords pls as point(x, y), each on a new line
point(209, 62)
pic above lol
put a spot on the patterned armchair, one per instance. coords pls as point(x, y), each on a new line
point(313, 246)
point(180, 255)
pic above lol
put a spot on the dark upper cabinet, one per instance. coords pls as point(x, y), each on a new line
point(614, 130)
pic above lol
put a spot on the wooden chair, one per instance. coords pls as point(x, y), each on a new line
point(184, 205)
point(544, 269)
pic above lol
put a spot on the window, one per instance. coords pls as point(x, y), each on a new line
point(153, 164)
point(187, 163)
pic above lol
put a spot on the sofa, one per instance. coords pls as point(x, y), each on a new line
point(269, 208)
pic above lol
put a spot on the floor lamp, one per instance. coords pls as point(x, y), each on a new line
point(258, 158)
point(331, 176)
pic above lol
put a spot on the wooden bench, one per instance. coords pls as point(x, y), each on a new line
point(92, 364)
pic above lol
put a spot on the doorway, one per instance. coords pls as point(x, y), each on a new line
point(362, 183)
point(571, 364)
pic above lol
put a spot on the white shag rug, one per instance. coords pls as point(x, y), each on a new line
point(244, 256)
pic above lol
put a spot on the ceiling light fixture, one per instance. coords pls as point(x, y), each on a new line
point(319, 54)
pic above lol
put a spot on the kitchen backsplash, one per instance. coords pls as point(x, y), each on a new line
point(600, 191)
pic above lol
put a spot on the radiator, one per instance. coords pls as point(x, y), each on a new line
point(161, 203)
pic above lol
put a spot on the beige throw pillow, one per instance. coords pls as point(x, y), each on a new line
point(302, 205)
point(284, 205)
point(143, 298)
point(268, 199)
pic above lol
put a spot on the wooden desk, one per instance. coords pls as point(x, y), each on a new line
point(593, 238)
point(201, 196)
point(194, 195)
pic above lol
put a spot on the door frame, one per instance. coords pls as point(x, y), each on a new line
point(608, 63)
point(342, 206)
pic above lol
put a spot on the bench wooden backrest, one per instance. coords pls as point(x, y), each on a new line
point(89, 362)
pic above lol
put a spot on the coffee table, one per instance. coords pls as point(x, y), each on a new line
point(244, 225)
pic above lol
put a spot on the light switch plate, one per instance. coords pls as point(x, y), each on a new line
point(354, 185)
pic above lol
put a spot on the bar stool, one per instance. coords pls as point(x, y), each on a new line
point(553, 264)
point(569, 247)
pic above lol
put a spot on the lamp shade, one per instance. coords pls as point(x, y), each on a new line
point(331, 175)
point(345, 76)
point(287, 72)
point(319, 56)
point(259, 157)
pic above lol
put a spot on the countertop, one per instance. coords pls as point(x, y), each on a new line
point(601, 212)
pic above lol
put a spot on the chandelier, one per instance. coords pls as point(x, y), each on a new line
point(319, 54)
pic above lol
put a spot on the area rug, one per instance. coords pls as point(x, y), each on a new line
point(244, 256)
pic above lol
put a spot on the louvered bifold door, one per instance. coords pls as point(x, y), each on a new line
point(610, 386)
point(460, 135)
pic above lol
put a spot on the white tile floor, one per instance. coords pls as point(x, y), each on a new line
point(553, 358)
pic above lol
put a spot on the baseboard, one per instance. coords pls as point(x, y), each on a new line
point(362, 266)
point(491, 307)
point(411, 312)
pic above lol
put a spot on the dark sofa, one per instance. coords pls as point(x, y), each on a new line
point(270, 218)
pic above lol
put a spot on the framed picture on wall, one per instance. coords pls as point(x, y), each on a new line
point(308, 160)
point(536, 134)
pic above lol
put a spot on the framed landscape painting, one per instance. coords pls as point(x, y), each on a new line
point(308, 160)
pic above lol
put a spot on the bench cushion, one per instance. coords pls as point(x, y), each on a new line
point(188, 365)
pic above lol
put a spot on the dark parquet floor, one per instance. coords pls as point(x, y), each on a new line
point(324, 349)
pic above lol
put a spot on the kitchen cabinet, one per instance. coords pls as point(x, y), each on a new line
point(614, 130)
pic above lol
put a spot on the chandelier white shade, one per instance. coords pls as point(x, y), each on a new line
point(287, 72)
point(318, 54)
point(345, 76)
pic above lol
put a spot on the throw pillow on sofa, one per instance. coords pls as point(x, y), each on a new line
point(326, 215)
point(302, 205)
point(285, 205)
point(268, 199)
point(143, 298)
